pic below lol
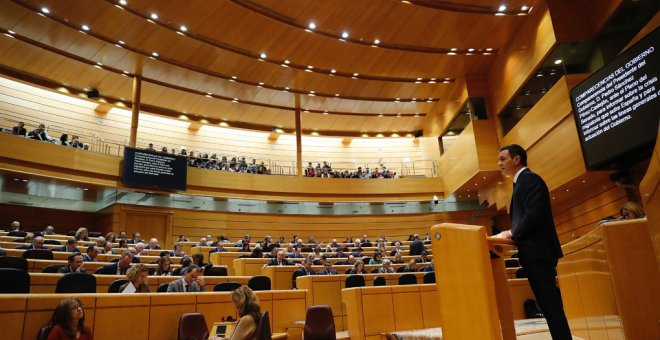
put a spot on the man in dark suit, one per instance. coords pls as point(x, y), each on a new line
point(75, 264)
point(279, 260)
point(189, 282)
point(71, 246)
point(120, 267)
point(306, 269)
point(327, 269)
point(416, 246)
point(19, 130)
point(37, 243)
point(533, 232)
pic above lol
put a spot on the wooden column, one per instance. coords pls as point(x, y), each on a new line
point(299, 165)
point(137, 91)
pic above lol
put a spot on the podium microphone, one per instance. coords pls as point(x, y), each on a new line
point(483, 206)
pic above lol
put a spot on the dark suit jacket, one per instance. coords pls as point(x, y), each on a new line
point(300, 272)
point(111, 269)
point(273, 262)
point(531, 216)
point(63, 248)
point(176, 286)
point(325, 272)
point(416, 248)
point(67, 269)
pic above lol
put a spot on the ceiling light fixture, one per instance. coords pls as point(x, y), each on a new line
point(262, 55)
point(183, 28)
point(336, 94)
point(333, 71)
point(524, 8)
point(153, 16)
point(502, 8)
point(470, 49)
point(11, 32)
point(45, 10)
point(85, 27)
point(123, 2)
point(155, 54)
point(376, 41)
point(558, 61)
point(344, 35)
point(121, 42)
point(312, 26)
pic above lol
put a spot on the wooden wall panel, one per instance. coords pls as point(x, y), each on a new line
point(149, 222)
point(36, 219)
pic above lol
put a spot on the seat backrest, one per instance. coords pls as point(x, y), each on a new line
point(319, 323)
point(94, 234)
point(14, 262)
point(216, 271)
point(162, 288)
point(52, 242)
point(259, 282)
point(43, 332)
point(193, 326)
point(379, 281)
point(76, 283)
point(263, 329)
point(17, 233)
point(408, 279)
point(306, 249)
point(40, 254)
point(355, 281)
point(52, 268)
point(401, 269)
point(429, 277)
point(114, 286)
point(226, 286)
point(348, 270)
point(374, 271)
point(14, 281)
point(520, 273)
point(511, 263)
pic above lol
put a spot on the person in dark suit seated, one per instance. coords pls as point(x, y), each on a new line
point(358, 268)
point(137, 280)
point(349, 261)
point(397, 248)
point(189, 282)
point(424, 258)
point(15, 226)
point(71, 246)
point(120, 267)
point(19, 130)
point(357, 253)
point(295, 254)
point(92, 253)
point(219, 247)
point(340, 253)
point(37, 243)
point(153, 244)
point(75, 264)
point(279, 260)
point(178, 250)
point(107, 248)
point(429, 268)
point(306, 269)
point(68, 321)
point(136, 238)
point(533, 231)
point(386, 268)
point(416, 246)
point(40, 133)
point(327, 269)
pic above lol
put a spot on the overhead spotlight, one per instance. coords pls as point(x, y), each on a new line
point(430, 100)
point(470, 49)
point(11, 32)
point(235, 100)
point(355, 74)
point(261, 84)
point(310, 67)
point(325, 112)
point(121, 42)
point(502, 8)
point(123, 2)
point(489, 49)
point(376, 41)
point(45, 10)
point(85, 27)
point(333, 71)
point(524, 8)
point(312, 26)
point(183, 28)
point(344, 35)
point(262, 55)
point(234, 77)
point(154, 54)
point(558, 61)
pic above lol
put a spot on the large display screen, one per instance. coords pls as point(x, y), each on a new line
point(154, 170)
point(617, 108)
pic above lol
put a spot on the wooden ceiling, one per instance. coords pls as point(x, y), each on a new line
point(215, 68)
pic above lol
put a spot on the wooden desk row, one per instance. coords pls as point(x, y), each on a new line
point(37, 266)
point(141, 316)
point(42, 283)
point(101, 257)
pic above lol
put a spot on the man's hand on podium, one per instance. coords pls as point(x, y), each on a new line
point(504, 235)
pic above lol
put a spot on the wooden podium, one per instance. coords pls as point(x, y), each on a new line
point(474, 299)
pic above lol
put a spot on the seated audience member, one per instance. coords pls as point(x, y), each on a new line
point(358, 252)
point(248, 310)
point(122, 235)
point(182, 238)
point(186, 261)
point(257, 253)
point(136, 238)
point(189, 282)
point(289, 248)
point(153, 244)
point(279, 260)
point(15, 226)
point(203, 242)
point(245, 247)
point(424, 258)
point(340, 253)
point(123, 243)
point(100, 242)
point(429, 268)
point(19, 130)
point(150, 148)
point(381, 248)
point(349, 261)
point(163, 149)
point(218, 248)
point(398, 258)
point(81, 234)
point(140, 251)
point(37, 243)
point(411, 267)
point(327, 269)
point(427, 237)
point(164, 266)
point(295, 254)
point(68, 321)
point(377, 259)
point(386, 268)
point(397, 248)
point(40, 134)
point(120, 267)
point(137, 280)
point(64, 139)
point(358, 268)
point(92, 253)
point(306, 269)
point(111, 237)
point(107, 248)
point(177, 251)
point(50, 230)
point(272, 254)
point(334, 244)
point(75, 264)
point(70, 246)
point(219, 240)
point(631, 210)
point(198, 260)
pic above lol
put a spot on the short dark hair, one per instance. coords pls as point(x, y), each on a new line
point(73, 256)
point(189, 269)
point(516, 150)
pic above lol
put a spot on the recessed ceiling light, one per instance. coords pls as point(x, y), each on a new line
point(234, 77)
point(183, 28)
point(121, 42)
point(311, 25)
point(45, 10)
point(333, 71)
point(85, 27)
point(568, 190)
point(310, 67)
point(502, 8)
point(558, 61)
point(155, 54)
point(344, 35)
point(262, 55)
point(376, 41)
point(100, 64)
point(432, 81)
point(470, 49)
point(153, 16)
point(235, 100)
point(286, 88)
point(11, 32)
point(524, 8)
point(380, 114)
point(336, 94)
point(355, 74)
point(325, 112)
point(123, 2)
point(430, 100)
point(261, 83)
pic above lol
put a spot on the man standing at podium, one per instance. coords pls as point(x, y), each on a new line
point(533, 232)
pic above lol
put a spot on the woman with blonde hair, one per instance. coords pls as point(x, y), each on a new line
point(631, 210)
point(137, 280)
point(81, 234)
point(247, 306)
point(358, 268)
